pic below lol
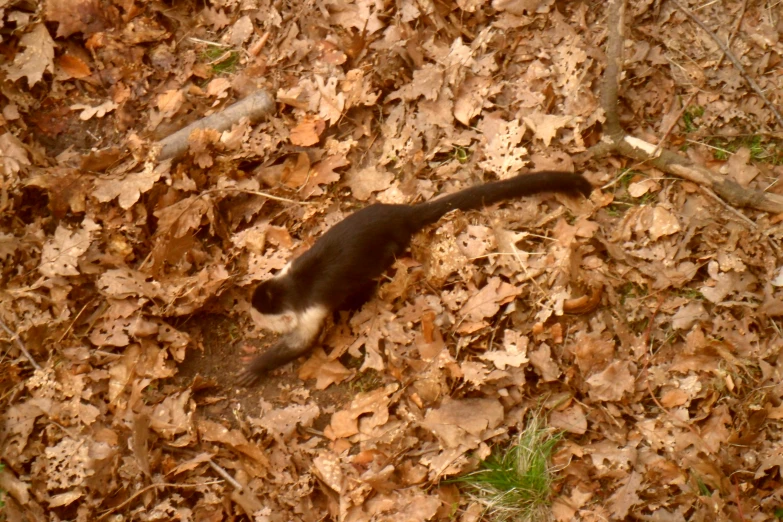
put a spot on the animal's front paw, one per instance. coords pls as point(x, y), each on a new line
point(247, 377)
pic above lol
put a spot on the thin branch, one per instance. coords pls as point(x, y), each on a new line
point(256, 193)
point(673, 124)
point(733, 32)
point(733, 60)
point(223, 473)
point(745, 219)
point(155, 486)
point(614, 64)
point(19, 345)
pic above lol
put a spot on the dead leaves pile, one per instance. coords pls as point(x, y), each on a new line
point(667, 383)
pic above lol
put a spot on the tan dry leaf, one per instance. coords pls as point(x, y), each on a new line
point(8, 245)
point(18, 424)
point(186, 294)
point(356, 87)
point(182, 217)
point(471, 96)
point(541, 359)
point(572, 420)
point(63, 499)
point(169, 102)
point(37, 57)
point(111, 332)
point(368, 180)
point(656, 222)
point(345, 423)
point(60, 254)
point(13, 155)
point(640, 188)
point(308, 131)
point(474, 373)
point(445, 257)
point(327, 467)
point(68, 464)
point(218, 88)
point(130, 188)
point(564, 508)
point(13, 486)
point(332, 103)
point(688, 315)
point(73, 67)
point(462, 422)
point(476, 241)
point(119, 283)
point(76, 16)
point(240, 31)
point(282, 422)
point(514, 353)
point(173, 415)
point(89, 111)
point(325, 370)
point(520, 7)
point(715, 431)
point(426, 82)
point(215, 17)
point(740, 168)
point(323, 173)
point(545, 126)
point(488, 300)
point(362, 16)
point(721, 284)
point(626, 495)
point(502, 152)
point(201, 144)
point(772, 458)
point(612, 383)
point(592, 352)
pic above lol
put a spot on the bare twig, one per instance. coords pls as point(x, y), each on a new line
point(223, 473)
point(745, 219)
point(733, 32)
point(673, 123)
point(154, 486)
point(19, 345)
point(614, 64)
point(759, 92)
point(256, 193)
point(616, 141)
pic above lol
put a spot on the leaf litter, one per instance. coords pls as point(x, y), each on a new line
point(127, 278)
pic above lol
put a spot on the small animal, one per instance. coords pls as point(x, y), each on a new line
point(341, 269)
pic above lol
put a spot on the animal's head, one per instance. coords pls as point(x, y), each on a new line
point(270, 297)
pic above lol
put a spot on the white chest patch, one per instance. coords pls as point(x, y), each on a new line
point(310, 322)
point(305, 325)
point(278, 323)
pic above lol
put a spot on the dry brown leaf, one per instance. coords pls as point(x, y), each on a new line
point(60, 255)
point(37, 57)
point(612, 383)
point(462, 422)
point(73, 66)
point(308, 131)
point(366, 181)
point(488, 300)
point(130, 188)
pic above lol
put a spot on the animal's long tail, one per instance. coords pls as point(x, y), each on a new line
point(489, 193)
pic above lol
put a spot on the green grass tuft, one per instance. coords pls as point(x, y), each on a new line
point(515, 484)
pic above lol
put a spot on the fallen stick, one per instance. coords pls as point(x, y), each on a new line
point(253, 107)
point(616, 141)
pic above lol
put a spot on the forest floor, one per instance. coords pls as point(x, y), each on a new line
point(643, 323)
